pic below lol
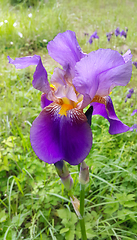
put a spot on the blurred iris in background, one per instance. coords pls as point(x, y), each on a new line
point(94, 35)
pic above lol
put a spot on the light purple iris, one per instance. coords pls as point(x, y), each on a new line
point(61, 131)
point(94, 35)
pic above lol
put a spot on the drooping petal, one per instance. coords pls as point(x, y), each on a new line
point(55, 137)
point(44, 136)
point(40, 80)
point(76, 137)
point(65, 50)
point(24, 62)
point(100, 71)
point(108, 112)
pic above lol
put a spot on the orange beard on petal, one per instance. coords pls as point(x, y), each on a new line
point(65, 108)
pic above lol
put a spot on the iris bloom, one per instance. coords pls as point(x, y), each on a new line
point(61, 131)
point(109, 35)
point(117, 31)
point(94, 35)
point(123, 33)
point(131, 91)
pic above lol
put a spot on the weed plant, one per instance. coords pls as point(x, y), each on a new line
point(33, 203)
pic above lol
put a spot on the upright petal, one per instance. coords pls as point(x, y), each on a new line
point(55, 137)
point(65, 50)
point(63, 87)
point(40, 80)
point(100, 71)
point(108, 112)
point(85, 80)
point(66, 92)
point(58, 78)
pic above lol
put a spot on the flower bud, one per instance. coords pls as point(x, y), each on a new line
point(64, 174)
point(84, 173)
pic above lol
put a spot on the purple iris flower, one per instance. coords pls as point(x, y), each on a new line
point(123, 33)
point(117, 31)
point(131, 90)
point(129, 95)
point(135, 64)
point(62, 131)
point(94, 35)
point(135, 111)
point(90, 40)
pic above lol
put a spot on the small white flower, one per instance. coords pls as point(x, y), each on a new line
point(45, 40)
point(30, 15)
point(1, 23)
point(20, 34)
point(6, 21)
point(14, 24)
point(11, 43)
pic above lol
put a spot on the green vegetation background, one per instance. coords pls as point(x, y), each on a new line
point(33, 203)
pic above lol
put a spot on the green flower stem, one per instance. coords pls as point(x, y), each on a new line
point(81, 219)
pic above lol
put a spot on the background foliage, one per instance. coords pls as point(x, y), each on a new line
point(33, 203)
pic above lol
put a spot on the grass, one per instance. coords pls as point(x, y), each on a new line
point(33, 203)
